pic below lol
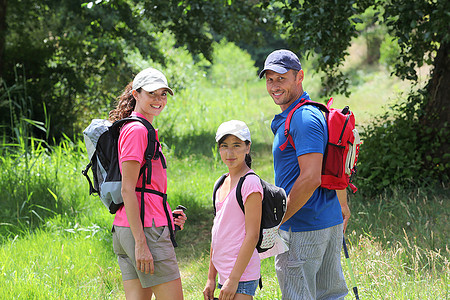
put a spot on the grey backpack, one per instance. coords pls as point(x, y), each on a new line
point(101, 140)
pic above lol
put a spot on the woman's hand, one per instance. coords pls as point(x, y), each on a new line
point(181, 219)
point(229, 289)
point(144, 258)
point(208, 292)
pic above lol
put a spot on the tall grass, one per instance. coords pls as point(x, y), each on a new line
point(36, 184)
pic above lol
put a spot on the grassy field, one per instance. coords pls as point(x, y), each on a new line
point(56, 241)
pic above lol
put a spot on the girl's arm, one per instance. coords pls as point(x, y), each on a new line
point(208, 292)
point(130, 175)
point(253, 211)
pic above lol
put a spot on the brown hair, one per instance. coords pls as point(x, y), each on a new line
point(125, 104)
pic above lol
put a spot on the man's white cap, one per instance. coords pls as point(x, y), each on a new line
point(150, 80)
point(234, 127)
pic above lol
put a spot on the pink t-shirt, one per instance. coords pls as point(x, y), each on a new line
point(228, 233)
point(133, 141)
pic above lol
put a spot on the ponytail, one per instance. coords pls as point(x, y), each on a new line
point(125, 104)
point(248, 157)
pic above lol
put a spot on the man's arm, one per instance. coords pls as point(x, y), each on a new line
point(307, 182)
point(342, 196)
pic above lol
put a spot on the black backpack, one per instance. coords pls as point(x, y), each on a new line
point(101, 139)
point(273, 209)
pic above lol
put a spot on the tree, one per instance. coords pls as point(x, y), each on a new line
point(422, 31)
point(72, 55)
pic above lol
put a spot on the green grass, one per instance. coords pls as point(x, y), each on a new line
point(398, 242)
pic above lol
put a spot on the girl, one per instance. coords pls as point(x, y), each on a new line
point(145, 253)
point(235, 235)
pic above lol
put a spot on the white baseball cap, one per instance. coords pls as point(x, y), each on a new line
point(234, 127)
point(150, 80)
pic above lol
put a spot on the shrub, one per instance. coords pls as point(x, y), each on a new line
point(399, 151)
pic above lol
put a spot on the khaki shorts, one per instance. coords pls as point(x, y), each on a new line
point(160, 245)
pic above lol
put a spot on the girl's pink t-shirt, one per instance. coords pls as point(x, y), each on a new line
point(228, 233)
point(133, 141)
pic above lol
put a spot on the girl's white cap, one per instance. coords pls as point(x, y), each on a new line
point(234, 127)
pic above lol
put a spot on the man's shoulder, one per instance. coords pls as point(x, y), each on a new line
point(307, 113)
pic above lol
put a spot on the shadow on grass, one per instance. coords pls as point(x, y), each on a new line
point(195, 239)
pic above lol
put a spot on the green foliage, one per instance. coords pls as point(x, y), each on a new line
point(70, 52)
point(232, 67)
point(32, 180)
point(398, 150)
point(420, 27)
point(389, 50)
point(311, 27)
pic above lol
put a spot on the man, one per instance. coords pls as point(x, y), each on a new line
point(313, 224)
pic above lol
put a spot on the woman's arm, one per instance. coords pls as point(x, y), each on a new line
point(253, 211)
point(130, 175)
point(208, 292)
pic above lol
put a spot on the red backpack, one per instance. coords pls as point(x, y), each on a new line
point(341, 153)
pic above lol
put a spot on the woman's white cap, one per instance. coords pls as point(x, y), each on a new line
point(150, 80)
point(234, 127)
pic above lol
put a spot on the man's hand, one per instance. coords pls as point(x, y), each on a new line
point(342, 196)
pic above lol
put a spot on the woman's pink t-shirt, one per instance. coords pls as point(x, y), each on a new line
point(228, 233)
point(133, 141)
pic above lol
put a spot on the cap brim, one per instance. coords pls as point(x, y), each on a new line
point(238, 135)
point(156, 86)
point(275, 68)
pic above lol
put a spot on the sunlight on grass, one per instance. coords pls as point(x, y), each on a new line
point(51, 263)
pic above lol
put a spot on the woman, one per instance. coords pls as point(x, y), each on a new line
point(145, 252)
point(235, 234)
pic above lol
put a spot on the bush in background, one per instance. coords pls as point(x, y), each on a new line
point(399, 151)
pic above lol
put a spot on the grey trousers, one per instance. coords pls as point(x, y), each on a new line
point(311, 269)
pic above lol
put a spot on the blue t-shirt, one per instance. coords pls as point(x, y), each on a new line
point(309, 131)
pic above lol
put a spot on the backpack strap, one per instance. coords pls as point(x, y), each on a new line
point(287, 123)
point(152, 151)
point(92, 190)
point(216, 187)
point(169, 221)
point(239, 192)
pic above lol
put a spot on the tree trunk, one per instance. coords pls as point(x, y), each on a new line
point(437, 111)
point(2, 33)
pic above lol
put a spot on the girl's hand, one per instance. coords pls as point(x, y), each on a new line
point(144, 258)
point(181, 218)
point(229, 289)
point(208, 292)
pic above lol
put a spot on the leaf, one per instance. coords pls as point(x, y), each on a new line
point(53, 194)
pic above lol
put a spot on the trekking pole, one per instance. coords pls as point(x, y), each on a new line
point(347, 258)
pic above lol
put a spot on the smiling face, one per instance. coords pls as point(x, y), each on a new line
point(232, 152)
point(150, 104)
point(284, 88)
